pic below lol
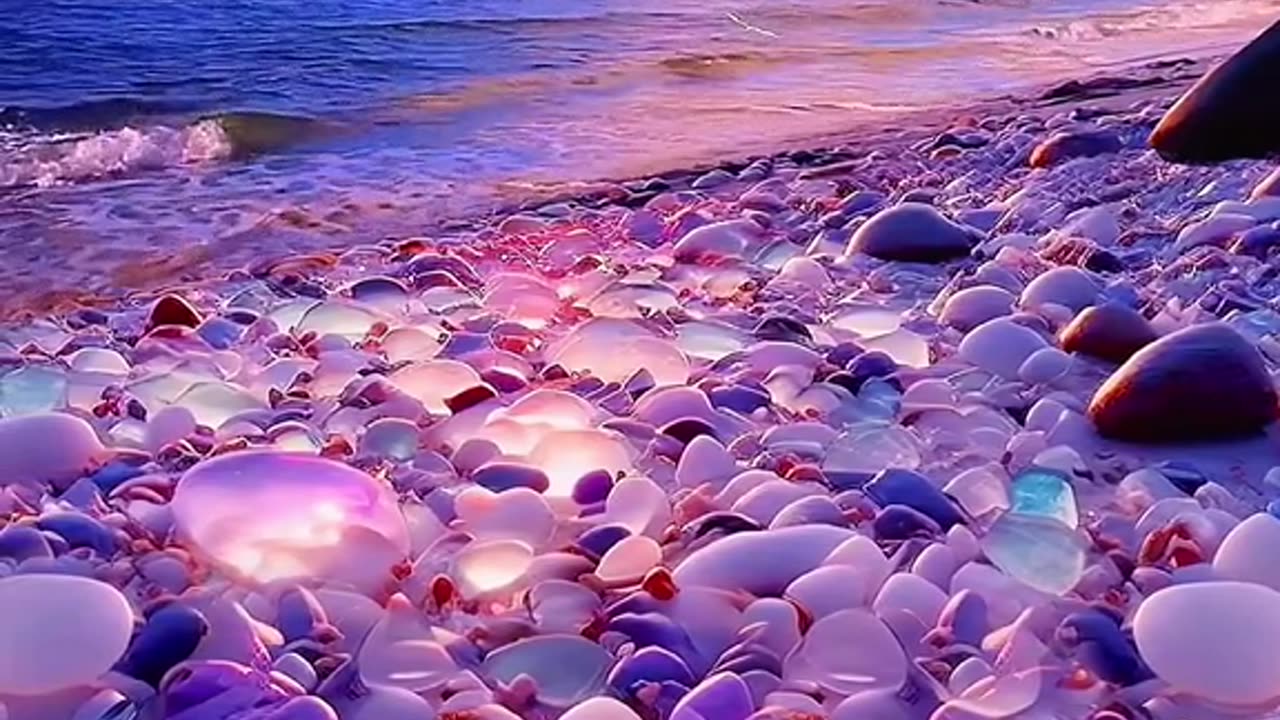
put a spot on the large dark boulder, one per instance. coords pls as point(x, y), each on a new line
point(1232, 112)
point(1201, 383)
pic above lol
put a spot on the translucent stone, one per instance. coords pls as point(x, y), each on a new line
point(1036, 550)
point(827, 590)
point(411, 343)
point(1000, 346)
point(704, 460)
point(333, 317)
point(435, 381)
point(1247, 553)
point(169, 425)
point(869, 451)
point(568, 669)
point(849, 652)
point(640, 505)
point(516, 514)
point(723, 696)
point(904, 346)
point(979, 490)
point(401, 651)
point(46, 448)
point(491, 566)
point(562, 606)
point(1047, 493)
point(213, 403)
point(632, 300)
point(289, 314)
point(709, 340)
point(600, 708)
point(614, 350)
point(98, 360)
point(904, 591)
point(867, 320)
point(867, 559)
point(268, 515)
point(1004, 695)
point(59, 632)
point(566, 455)
point(629, 559)
point(32, 389)
point(1213, 640)
point(521, 298)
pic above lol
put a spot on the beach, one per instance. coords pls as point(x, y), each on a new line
point(956, 407)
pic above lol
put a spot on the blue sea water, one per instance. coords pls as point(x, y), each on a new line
point(128, 126)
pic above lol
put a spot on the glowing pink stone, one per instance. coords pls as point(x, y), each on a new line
point(267, 515)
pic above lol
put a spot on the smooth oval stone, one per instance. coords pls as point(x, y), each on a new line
point(566, 455)
point(1202, 383)
point(1067, 286)
point(80, 530)
point(1247, 553)
point(732, 563)
point(567, 668)
point(827, 589)
point(711, 243)
point(269, 515)
point(501, 476)
point(59, 632)
point(1000, 346)
point(594, 487)
point(46, 448)
point(1044, 366)
point(170, 635)
point(849, 652)
point(973, 306)
point(629, 559)
point(905, 591)
point(1063, 146)
point(401, 651)
point(491, 566)
point(704, 460)
point(1230, 113)
point(1215, 640)
point(900, 522)
point(911, 232)
point(600, 708)
point(811, 510)
point(904, 487)
point(1111, 332)
point(723, 696)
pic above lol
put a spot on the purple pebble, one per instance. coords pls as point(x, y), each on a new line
point(896, 486)
point(597, 541)
point(22, 542)
point(505, 476)
point(593, 487)
point(900, 522)
point(742, 399)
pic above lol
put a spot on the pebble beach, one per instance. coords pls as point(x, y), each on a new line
point(964, 415)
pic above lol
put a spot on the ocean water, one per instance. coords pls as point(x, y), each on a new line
point(149, 139)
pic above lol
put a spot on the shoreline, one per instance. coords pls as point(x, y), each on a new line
point(155, 271)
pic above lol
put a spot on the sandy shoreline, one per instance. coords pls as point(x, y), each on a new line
point(142, 274)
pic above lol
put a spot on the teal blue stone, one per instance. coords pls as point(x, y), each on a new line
point(1046, 493)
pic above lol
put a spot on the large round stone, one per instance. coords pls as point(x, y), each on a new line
point(1214, 640)
point(912, 232)
point(1110, 332)
point(1232, 112)
point(1201, 383)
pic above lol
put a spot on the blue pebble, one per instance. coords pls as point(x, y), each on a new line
point(169, 637)
point(299, 615)
point(746, 657)
point(900, 522)
point(742, 399)
point(1273, 507)
point(870, 365)
point(22, 542)
point(649, 665)
point(505, 476)
point(597, 541)
point(1103, 647)
point(80, 530)
point(844, 353)
point(965, 615)
point(114, 474)
point(220, 333)
point(896, 486)
point(656, 629)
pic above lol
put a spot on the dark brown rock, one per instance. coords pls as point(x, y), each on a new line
point(1232, 112)
point(173, 310)
point(1202, 383)
point(1064, 146)
point(1110, 332)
